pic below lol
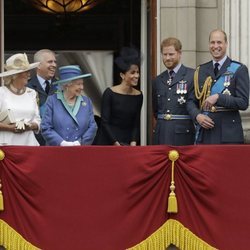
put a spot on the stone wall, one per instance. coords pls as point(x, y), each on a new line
point(192, 20)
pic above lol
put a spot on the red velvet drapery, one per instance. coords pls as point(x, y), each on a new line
point(112, 198)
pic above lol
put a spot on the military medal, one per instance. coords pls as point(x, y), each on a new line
point(169, 81)
point(178, 90)
point(183, 87)
point(227, 81)
point(226, 92)
point(181, 100)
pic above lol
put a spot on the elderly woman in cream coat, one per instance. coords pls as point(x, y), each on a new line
point(19, 113)
point(68, 119)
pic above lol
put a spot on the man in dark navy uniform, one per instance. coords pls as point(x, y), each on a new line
point(221, 89)
point(169, 95)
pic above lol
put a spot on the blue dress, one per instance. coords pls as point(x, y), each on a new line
point(61, 122)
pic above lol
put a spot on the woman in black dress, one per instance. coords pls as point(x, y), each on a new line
point(121, 104)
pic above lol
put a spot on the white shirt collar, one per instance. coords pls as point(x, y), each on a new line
point(42, 81)
point(220, 62)
point(177, 67)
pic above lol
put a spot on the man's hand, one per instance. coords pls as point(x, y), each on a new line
point(210, 101)
point(205, 121)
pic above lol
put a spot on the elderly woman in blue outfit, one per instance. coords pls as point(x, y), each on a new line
point(68, 119)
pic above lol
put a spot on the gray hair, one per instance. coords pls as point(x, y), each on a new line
point(64, 86)
point(38, 56)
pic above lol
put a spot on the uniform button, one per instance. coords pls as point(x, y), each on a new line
point(168, 111)
point(233, 120)
point(67, 137)
point(67, 128)
point(76, 129)
point(187, 130)
point(168, 99)
point(76, 138)
point(169, 88)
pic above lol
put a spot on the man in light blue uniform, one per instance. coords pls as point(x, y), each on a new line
point(221, 89)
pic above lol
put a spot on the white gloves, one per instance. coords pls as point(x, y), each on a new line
point(70, 143)
point(20, 125)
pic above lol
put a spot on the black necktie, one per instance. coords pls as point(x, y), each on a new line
point(47, 87)
point(216, 68)
point(171, 74)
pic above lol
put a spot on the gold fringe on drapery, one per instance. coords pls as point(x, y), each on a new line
point(172, 232)
point(12, 240)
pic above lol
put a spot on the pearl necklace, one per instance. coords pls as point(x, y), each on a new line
point(15, 90)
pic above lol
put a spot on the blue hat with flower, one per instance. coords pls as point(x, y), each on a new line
point(70, 73)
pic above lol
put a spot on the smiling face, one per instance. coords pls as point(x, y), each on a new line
point(217, 45)
point(22, 78)
point(170, 57)
point(131, 77)
point(75, 88)
point(47, 67)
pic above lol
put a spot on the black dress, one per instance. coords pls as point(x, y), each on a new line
point(120, 118)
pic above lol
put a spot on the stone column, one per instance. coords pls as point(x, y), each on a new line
point(178, 19)
point(235, 21)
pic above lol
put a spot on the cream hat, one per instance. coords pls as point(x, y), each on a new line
point(16, 64)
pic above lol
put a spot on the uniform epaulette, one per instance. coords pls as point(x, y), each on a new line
point(204, 63)
point(237, 62)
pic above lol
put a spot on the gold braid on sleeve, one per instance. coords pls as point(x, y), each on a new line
point(206, 89)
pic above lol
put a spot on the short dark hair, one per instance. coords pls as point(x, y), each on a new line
point(128, 56)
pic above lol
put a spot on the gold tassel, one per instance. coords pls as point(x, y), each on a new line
point(1, 201)
point(172, 200)
point(172, 203)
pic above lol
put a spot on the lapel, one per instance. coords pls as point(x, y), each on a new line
point(179, 76)
point(76, 108)
point(37, 86)
point(209, 70)
point(224, 67)
point(165, 77)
